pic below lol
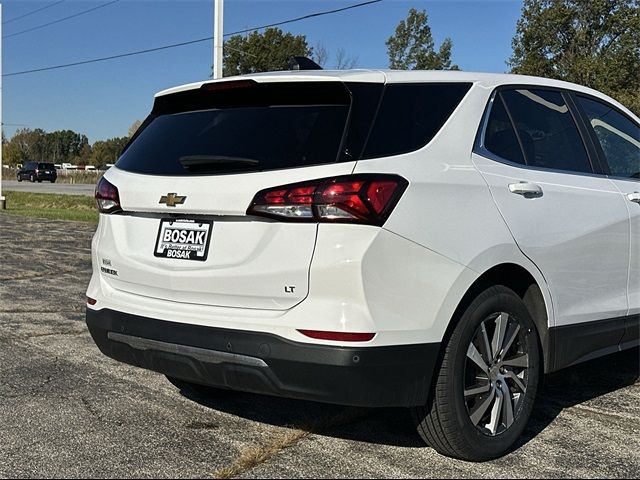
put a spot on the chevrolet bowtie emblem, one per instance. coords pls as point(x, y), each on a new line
point(172, 199)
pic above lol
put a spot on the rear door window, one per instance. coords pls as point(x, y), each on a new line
point(500, 137)
point(618, 136)
point(410, 115)
point(546, 130)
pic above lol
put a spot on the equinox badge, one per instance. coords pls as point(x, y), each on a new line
point(172, 199)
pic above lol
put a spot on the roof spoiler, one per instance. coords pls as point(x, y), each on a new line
point(303, 63)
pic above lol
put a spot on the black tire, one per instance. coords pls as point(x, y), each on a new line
point(32, 179)
point(194, 390)
point(39, 181)
point(19, 178)
point(445, 423)
point(53, 181)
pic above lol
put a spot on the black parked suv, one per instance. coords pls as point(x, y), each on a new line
point(35, 171)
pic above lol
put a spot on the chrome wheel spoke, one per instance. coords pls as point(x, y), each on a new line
point(521, 361)
point(507, 408)
point(474, 355)
point(480, 410)
point(496, 412)
point(477, 390)
point(514, 334)
point(498, 336)
point(517, 380)
point(484, 343)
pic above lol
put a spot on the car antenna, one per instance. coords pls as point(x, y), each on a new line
point(303, 63)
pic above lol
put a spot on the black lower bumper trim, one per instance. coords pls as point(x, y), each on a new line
point(395, 376)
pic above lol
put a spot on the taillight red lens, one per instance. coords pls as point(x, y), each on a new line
point(107, 197)
point(363, 198)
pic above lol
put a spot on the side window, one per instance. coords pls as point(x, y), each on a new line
point(410, 115)
point(547, 131)
point(619, 137)
point(500, 137)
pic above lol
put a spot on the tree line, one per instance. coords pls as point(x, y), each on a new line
point(62, 146)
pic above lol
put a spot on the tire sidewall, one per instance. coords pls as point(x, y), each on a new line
point(491, 301)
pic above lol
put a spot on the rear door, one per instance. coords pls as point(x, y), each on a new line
point(571, 222)
point(617, 137)
point(195, 166)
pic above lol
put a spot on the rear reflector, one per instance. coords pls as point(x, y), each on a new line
point(363, 198)
point(338, 336)
point(107, 197)
point(91, 301)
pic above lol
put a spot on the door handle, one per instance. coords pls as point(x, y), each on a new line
point(634, 197)
point(527, 189)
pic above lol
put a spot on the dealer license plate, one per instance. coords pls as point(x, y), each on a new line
point(183, 239)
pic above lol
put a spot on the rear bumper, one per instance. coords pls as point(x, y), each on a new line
point(389, 376)
point(46, 176)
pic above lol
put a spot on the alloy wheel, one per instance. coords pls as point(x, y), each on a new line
point(496, 373)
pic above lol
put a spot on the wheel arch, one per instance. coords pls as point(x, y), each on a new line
point(531, 290)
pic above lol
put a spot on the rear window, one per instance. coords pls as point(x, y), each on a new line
point(411, 115)
point(241, 127)
point(46, 166)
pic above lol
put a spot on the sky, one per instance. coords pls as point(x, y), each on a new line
point(102, 100)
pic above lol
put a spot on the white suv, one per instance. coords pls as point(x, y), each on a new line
point(434, 240)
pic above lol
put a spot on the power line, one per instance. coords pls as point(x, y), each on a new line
point(84, 12)
point(304, 17)
point(33, 11)
point(190, 42)
point(112, 57)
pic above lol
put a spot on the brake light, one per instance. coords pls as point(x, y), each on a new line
point(228, 85)
point(107, 197)
point(91, 301)
point(363, 198)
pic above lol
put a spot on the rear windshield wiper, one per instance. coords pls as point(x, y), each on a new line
point(203, 160)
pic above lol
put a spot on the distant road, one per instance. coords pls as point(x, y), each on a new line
point(47, 187)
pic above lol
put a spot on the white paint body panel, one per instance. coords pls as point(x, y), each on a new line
point(625, 187)
point(576, 233)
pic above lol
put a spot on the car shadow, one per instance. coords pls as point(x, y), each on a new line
point(394, 426)
point(581, 383)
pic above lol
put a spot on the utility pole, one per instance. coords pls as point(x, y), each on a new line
point(218, 15)
point(3, 201)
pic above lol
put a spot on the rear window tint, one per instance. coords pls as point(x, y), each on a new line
point(46, 166)
point(254, 127)
point(550, 138)
point(410, 115)
point(500, 137)
point(618, 136)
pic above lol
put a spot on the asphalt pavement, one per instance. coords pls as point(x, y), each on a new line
point(68, 411)
point(48, 187)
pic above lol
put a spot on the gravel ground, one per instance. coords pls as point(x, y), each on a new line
point(68, 411)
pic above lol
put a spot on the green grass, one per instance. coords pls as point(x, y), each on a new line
point(78, 208)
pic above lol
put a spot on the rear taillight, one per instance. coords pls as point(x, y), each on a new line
point(107, 197)
point(363, 198)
